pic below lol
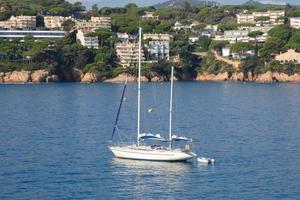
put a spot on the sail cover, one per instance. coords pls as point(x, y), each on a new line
point(150, 136)
point(179, 138)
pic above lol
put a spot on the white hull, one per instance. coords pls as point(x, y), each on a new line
point(147, 153)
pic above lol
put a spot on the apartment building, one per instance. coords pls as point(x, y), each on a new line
point(149, 16)
point(10, 34)
point(245, 19)
point(102, 22)
point(290, 56)
point(128, 54)
point(85, 40)
point(19, 23)
point(234, 36)
point(274, 18)
point(241, 35)
point(158, 46)
point(125, 37)
point(295, 22)
point(55, 22)
point(94, 23)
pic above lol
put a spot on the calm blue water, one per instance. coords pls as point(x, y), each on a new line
point(53, 141)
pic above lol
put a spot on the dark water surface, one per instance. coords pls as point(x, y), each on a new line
point(53, 141)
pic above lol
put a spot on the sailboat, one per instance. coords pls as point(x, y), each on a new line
point(139, 151)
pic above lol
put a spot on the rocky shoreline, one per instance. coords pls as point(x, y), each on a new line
point(43, 76)
point(267, 77)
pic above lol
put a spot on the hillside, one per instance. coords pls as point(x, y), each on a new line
point(253, 3)
point(179, 3)
point(33, 7)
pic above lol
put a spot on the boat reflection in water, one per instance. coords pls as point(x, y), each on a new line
point(152, 167)
point(141, 179)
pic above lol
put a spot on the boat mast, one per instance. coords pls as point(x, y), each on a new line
point(171, 109)
point(139, 88)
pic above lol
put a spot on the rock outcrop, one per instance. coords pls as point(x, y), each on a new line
point(39, 76)
point(265, 77)
point(2, 74)
point(89, 78)
point(282, 77)
point(122, 77)
point(17, 77)
point(213, 77)
point(237, 76)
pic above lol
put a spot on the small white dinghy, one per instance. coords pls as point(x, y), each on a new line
point(205, 160)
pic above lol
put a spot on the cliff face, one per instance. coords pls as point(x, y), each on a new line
point(41, 76)
point(266, 77)
point(37, 76)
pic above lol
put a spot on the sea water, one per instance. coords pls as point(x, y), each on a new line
point(53, 141)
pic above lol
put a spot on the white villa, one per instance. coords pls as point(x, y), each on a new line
point(290, 56)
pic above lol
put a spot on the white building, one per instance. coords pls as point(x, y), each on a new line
point(243, 55)
point(273, 15)
point(128, 54)
point(241, 35)
point(226, 51)
point(295, 22)
point(158, 47)
point(94, 23)
point(19, 23)
point(85, 40)
point(102, 22)
point(234, 36)
point(149, 16)
point(179, 26)
point(125, 37)
point(55, 22)
point(9, 34)
point(192, 40)
point(290, 56)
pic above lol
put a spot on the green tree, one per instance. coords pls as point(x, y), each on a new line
point(163, 69)
point(227, 25)
point(255, 35)
point(202, 45)
point(217, 45)
point(281, 32)
point(241, 47)
point(272, 46)
point(294, 41)
point(68, 25)
point(95, 10)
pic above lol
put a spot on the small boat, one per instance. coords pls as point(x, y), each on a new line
point(139, 151)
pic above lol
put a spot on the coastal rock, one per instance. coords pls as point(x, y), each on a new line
point(221, 76)
point(282, 77)
point(212, 77)
point(2, 74)
point(156, 79)
point(237, 76)
point(265, 77)
point(39, 76)
point(89, 78)
point(122, 77)
point(17, 77)
point(295, 78)
point(52, 78)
